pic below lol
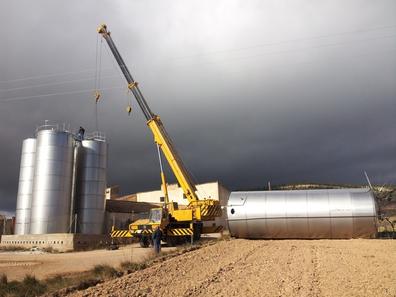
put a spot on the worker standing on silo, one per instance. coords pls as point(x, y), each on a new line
point(80, 134)
point(157, 234)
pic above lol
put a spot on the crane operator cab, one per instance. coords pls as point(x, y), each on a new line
point(143, 228)
point(155, 215)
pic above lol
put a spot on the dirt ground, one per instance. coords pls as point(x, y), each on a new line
point(42, 265)
point(267, 268)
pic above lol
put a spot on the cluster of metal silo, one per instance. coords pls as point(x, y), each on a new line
point(340, 213)
point(62, 183)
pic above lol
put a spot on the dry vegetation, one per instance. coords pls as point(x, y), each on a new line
point(235, 267)
point(61, 285)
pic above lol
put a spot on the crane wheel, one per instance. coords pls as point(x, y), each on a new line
point(144, 242)
point(172, 241)
point(197, 231)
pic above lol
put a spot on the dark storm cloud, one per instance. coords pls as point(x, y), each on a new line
point(249, 91)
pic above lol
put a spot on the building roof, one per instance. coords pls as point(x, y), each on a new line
point(124, 206)
point(130, 197)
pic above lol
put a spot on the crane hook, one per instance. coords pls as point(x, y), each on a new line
point(97, 96)
point(129, 109)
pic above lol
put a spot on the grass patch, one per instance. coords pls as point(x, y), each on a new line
point(61, 285)
point(28, 287)
point(130, 267)
point(105, 271)
point(32, 287)
point(59, 282)
point(3, 279)
point(10, 248)
point(49, 249)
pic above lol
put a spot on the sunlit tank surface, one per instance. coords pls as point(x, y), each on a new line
point(339, 213)
point(25, 187)
point(91, 186)
point(52, 181)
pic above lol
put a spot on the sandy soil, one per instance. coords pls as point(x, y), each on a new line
point(267, 268)
point(17, 264)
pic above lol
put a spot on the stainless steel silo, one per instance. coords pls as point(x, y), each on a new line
point(340, 213)
point(91, 185)
point(25, 187)
point(52, 181)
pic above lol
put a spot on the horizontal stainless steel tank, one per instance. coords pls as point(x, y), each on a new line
point(91, 185)
point(25, 187)
point(52, 181)
point(338, 213)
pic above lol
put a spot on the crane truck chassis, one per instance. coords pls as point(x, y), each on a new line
point(177, 224)
point(174, 232)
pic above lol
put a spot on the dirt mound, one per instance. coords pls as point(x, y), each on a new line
point(267, 268)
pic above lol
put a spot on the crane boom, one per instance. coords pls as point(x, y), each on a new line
point(161, 137)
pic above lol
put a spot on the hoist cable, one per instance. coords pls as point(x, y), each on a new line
point(55, 94)
point(54, 84)
point(96, 85)
point(128, 93)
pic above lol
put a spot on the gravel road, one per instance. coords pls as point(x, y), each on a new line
point(43, 265)
point(267, 268)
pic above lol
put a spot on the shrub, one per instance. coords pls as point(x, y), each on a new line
point(86, 283)
point(131, 266)
point(49, 249)
point(3, 279)
point(11, 248)
point(105, 271)
point(31, 287)
point(58, 282)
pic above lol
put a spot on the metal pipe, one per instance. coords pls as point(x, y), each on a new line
point(76, 155)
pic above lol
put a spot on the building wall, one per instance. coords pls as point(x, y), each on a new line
point(131, 197)
point(224, 194)
point(62, 242)
point(7, 225)
point(113, 192)
point(207, 190)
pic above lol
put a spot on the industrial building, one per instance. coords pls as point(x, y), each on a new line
point(7, 225)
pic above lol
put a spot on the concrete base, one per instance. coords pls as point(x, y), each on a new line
point(62, 242)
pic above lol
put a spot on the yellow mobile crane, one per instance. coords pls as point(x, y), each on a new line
point(176, 224)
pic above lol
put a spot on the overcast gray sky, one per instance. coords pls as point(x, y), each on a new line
point(250, 91)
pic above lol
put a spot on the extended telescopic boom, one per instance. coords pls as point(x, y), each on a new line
point(161, 137)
